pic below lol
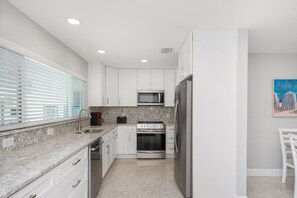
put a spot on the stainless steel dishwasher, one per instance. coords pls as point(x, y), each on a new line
point(95, 167)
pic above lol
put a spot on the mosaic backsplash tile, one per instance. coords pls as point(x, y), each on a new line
point(135, 114)
point(32, 135)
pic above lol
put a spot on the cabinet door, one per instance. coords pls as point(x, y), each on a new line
point(112, 86)
point(127, 87)
point(169, 87)
point(185, 59)
point(96, 79)
point(115, 143)
point(123, 140)
point(104, 159)
point(132, 143)
point(157, 79)
point(144, 79)
point(42, 187)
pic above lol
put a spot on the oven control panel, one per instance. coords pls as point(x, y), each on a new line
point(150, 126)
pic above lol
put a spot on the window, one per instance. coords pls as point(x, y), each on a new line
point(31, 91)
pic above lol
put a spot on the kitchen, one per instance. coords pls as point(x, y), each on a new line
point(134, 99)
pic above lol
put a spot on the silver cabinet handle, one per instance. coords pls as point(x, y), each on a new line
point(33, 196)
point(76, 162)
point(107, 100)
point(75, 185)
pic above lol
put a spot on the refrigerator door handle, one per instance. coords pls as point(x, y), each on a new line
point(175, 125)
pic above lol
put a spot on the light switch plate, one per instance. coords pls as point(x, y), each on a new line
point(8, 142)
point(50, 131)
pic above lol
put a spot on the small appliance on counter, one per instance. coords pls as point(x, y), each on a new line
point(122, 120)
point(96, 119)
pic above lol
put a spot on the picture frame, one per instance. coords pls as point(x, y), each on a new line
point(284, 102)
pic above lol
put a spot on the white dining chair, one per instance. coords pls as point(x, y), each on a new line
point(286, 150)
point(293, 143)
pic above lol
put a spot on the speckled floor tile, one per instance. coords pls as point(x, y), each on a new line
point(270, 187)
point(140, 179)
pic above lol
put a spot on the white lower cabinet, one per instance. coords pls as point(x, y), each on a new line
point(170, 141)
point(42, 187)
point(126, 141)
point(76, 185)
point(69, 179)
point(108, 150)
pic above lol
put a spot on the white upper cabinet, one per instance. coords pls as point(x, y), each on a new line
point(112, 86)
point(157, 79)
point(150, 79)
point(96, 79)
point(170, 81)
point(144, 79)
point(185, 59)
point(127, 87)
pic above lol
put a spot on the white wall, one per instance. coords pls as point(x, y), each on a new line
point(241, 111)
point(19, 29)
point(264, 150)
point(215, 62)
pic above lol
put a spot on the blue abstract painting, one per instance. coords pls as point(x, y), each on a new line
point(284, 98)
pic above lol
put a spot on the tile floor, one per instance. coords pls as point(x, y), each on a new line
point(130, 178)
point(270, 187)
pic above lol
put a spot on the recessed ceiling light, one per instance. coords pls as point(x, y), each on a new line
point(101, 52)
point(144, 61)
point(73, 21)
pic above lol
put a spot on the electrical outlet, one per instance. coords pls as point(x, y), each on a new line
point(8, 142)
point(50, 131)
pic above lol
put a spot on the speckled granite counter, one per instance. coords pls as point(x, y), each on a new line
point(21, 167)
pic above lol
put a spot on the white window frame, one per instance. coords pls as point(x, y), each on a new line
point(25, 52)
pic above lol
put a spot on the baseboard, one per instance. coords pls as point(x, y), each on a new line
point(268, 172)
point(241, 197)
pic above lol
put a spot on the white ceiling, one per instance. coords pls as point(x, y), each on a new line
point(131, 30)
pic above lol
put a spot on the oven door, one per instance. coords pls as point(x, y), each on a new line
point(151, 145)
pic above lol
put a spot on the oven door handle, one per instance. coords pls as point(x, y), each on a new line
point(151, 132)
point(150, 151)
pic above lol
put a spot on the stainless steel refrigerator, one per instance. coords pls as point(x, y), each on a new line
point(183, 136)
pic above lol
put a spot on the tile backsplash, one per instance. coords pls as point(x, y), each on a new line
point(32, 135)
point(135, 114)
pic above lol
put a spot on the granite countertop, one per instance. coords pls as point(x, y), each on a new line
point(20, 167)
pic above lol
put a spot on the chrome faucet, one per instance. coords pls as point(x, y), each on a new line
point(79, 118)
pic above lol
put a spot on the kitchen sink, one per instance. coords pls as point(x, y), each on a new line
point(89, 131)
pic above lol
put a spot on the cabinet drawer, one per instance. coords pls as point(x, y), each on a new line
point(169, 140)
point(76, 184)
point(42, 187)
point(70, 166)
point(169, 148)
point(170, 127)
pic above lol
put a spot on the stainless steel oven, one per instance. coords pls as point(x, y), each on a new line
point(151, 140)
point(150, 97)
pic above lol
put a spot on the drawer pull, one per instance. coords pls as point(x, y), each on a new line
point(171, 138)
point(76, 162)
point(33, 196)
point(75, 185)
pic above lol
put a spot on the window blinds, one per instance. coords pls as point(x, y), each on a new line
point(31, 91)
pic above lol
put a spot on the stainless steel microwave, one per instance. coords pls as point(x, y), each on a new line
point(149, 97)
